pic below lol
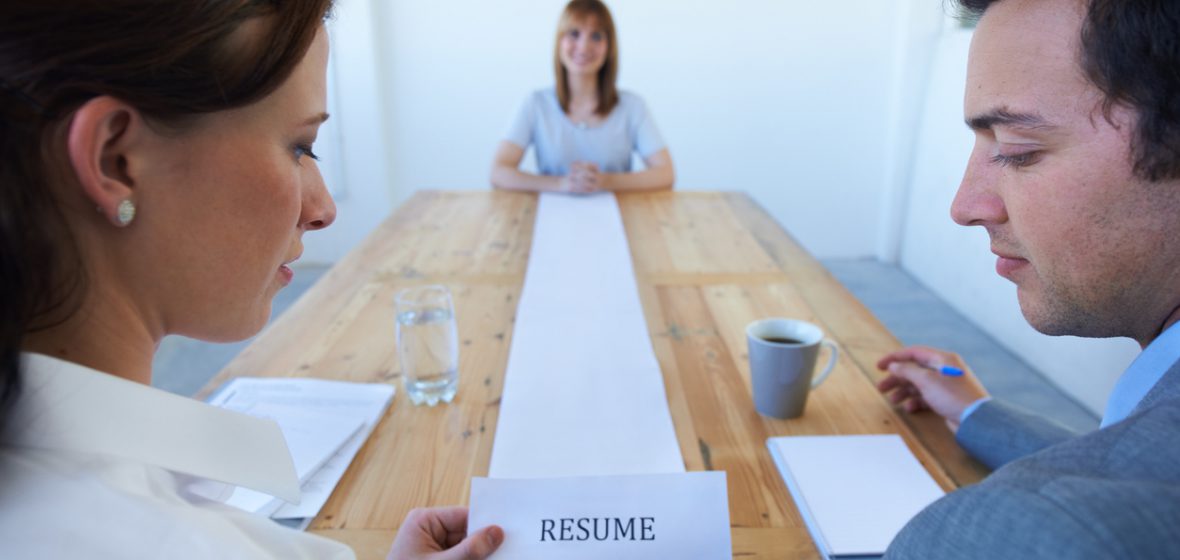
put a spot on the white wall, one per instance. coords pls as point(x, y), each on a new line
point(352, 144)
point(956, 262)
point(919, 26)
point(789, 101)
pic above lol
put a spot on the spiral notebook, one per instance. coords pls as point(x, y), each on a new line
point(855, 493)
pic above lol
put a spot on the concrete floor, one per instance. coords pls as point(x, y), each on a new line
point(908, 309)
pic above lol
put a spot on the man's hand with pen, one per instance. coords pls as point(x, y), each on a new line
point(921, 378)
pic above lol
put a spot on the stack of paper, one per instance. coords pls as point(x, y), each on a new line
point(325, 424)
point(854, 492)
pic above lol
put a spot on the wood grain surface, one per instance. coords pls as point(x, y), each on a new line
point(706, 264)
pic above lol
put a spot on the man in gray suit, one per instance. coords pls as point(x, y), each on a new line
point(1075, 105)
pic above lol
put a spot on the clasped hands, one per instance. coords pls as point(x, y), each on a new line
point(583, 177)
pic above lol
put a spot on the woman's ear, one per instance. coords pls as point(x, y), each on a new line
point(99, 142)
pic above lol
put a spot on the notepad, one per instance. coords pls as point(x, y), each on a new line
point(325, 424)
point(855, 493)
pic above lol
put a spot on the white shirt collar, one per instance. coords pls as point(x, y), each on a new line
point(1142, 375)
point(65, 406)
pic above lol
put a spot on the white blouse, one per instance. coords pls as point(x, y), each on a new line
point(94, 466)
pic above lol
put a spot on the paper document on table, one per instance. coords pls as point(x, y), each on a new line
point(583, 393)
point(312, 438)
point(325, 424)
point(854, 492)
point(618, 517)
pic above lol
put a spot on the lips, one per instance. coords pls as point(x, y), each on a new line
point(285, 272)
point(581, 59)
point(1007, 265)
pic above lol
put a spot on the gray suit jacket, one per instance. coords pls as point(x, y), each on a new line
point(1111, 493)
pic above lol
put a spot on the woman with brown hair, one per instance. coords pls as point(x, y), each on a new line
point(584, 130)
point(156, 177)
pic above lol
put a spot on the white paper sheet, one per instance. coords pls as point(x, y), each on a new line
point(583, 393)
point(618, 517)
point(855, 492)
point(363, 403)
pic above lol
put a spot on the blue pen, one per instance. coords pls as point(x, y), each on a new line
point(951, 371)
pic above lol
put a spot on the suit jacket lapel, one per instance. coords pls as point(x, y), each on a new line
point(1167, 388)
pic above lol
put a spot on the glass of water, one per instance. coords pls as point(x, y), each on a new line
point(428, 344)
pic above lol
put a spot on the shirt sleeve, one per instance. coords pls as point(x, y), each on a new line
point(971, 408)
point(647, 137)
point(521, 131)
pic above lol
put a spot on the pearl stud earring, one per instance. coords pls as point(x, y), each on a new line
point(125, 213)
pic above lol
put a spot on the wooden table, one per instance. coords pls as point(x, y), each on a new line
point(706, 264)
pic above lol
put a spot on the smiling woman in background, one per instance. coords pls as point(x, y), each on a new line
point(156, 177)
point(584, 129)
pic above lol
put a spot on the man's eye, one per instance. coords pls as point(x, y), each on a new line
point(1016, 160)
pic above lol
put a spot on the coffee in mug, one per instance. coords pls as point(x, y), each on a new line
point(780, 340)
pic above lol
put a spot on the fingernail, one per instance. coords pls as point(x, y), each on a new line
point(495, 536)
point(894, 367)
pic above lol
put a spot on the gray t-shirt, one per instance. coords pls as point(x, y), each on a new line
point(559, 142)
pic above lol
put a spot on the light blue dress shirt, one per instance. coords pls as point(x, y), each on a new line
point(971, 408)
point(559, 142)
point(1142, 375)
point(1135, 383)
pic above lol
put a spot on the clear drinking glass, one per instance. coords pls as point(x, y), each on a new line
point(428, 344)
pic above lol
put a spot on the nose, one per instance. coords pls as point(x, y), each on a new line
point(978, 202)
point(319, 210)
point(586, 41)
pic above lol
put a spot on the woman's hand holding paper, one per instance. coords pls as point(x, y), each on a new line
point(441, 534)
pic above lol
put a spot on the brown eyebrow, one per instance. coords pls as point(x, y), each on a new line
point(316, 119)
point(1005, 117)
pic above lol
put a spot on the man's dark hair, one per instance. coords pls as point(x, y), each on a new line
point(1131, 52)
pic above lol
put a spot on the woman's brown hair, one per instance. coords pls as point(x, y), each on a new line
point(608, 95)
point(171, 60)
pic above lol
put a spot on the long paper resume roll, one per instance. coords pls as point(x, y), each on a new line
point(583, 392)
